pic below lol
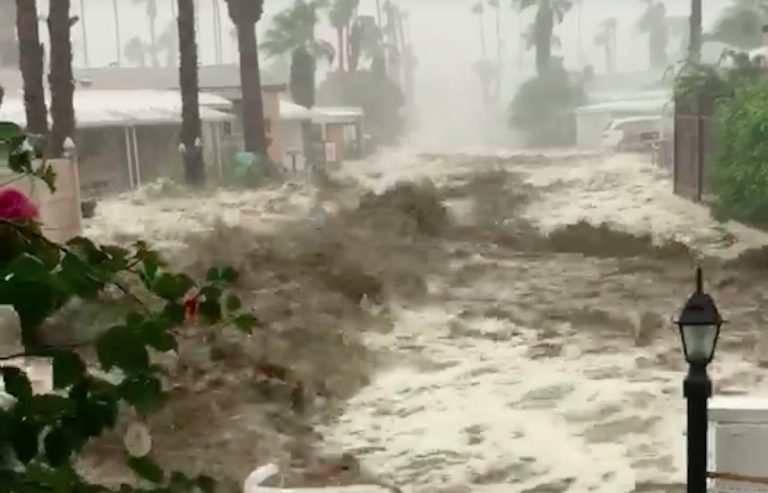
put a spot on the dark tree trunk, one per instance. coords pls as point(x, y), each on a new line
point(31, 65)
point(61, 80)
point(191, 127)
point(250, 82)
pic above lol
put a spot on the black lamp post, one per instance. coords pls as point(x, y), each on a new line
point(699, 325)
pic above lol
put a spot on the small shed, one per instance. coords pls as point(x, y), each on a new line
point(342, 127)
point(127, 137)
point(592, 120)
point(293, 119)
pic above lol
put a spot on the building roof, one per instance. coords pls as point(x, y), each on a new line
point(632, 105)
point(212, 78)
point(337, 114)
point(291, 111)
point(101, 108)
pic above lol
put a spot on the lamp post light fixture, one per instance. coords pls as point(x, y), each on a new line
point(699, 325)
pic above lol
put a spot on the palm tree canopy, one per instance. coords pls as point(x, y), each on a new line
point(558, 8)
point(653, 18)
point(341, 12)
point(607, 29)
point(741, 24)
point(294, 28)
point(246, 11)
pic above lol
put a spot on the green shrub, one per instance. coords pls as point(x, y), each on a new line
point(740, 172)
point(543, 108)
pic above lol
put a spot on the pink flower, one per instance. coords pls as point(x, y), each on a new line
point(16, 205)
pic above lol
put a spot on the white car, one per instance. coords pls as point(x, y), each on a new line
point(637, 133)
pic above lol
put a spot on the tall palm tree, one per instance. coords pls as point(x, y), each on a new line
point(654, 23)
point(340, 17)
point(31, 65)
point(549, 14)
point(136, 51)
point(740, 25)
point(694, 53)
point(497, 7)
point(191, 127)
point(9, 52)
point(118, 43)
point(217, 39)
point(61, 78)
point(245, 14)
point(606, 38)
point(152, 18)
point(293, 31)
point(365, 40)
point(479, 10)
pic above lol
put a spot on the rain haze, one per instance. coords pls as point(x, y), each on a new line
point(463, 284)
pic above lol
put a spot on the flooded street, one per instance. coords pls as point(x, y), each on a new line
point(535, 371)
point(539, 354)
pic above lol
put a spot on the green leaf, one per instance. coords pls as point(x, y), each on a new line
point(58, 447)
point(9, 130)
point(211, 293)
point(156, 334)
point(48, 175)
point(174, 313)
point(206, 483)
point(221, 274)
point(16, 383)
point(28, 268)
point(142, 391)
point(68, 369)
point(24, 440)
point(123, 348)
point(246, 322)
point(87, 249)
point(211, 311)
point(228, 274)
point(233, 303)
point(172, 287)
point(146, 469)
point(48, 408)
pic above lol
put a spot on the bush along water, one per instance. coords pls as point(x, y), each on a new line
point(42, 434)
point(740, 172)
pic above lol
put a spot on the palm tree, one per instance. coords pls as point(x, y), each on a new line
point(549, 14)
point(61, 78)
point(293, 31)
point(116, 16)
point(168, 43)
point(340, 17)
point(245, 14)
point(31, 65)
point(9, 52)
point(654, 23)
point(497, 6)
point(365, 39)
point(694, 53)
point(606, 38)
point(152, 17)
point(479, 10)
point(191, 128)
point(740, 25)
point(136, 51)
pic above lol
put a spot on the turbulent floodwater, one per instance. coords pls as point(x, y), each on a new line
point(529, 371)
point(534, 363)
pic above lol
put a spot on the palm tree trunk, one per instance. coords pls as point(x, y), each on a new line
point(250, 81)
point(152, 15)
point(498, 54)
point(118, 43)
point(191, 127)
point(218, 52)
point(85, 33)
point(60, 78)
point(31, 65)
point(340, 43)
point(482, 35)
point(694, 53)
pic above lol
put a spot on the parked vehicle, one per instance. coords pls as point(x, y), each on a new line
point(636, 134)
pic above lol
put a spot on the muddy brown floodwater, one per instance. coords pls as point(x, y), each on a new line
point(458, 323)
